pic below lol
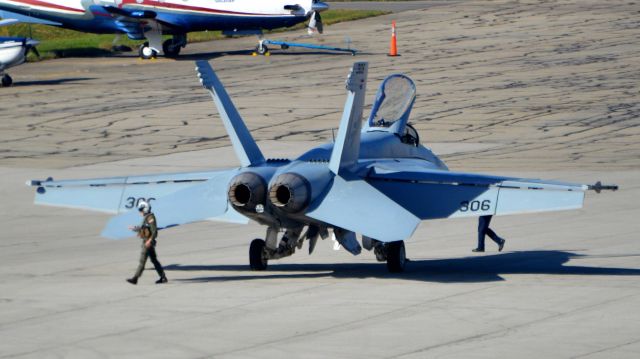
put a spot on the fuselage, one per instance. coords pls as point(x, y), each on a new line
point(380, 146)
point(12, 52)
point(377, 148)
point(178, 16)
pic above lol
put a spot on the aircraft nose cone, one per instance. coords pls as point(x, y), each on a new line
point(319, 6)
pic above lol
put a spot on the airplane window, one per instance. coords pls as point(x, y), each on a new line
point(398, 94)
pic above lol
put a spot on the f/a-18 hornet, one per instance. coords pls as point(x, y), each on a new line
point(378, 181)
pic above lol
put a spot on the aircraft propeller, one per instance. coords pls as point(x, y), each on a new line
point(30, 46)
point(315, 21)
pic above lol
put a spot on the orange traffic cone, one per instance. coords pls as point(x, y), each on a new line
point(393, 50)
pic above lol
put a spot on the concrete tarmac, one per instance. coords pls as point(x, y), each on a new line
point(534, 89)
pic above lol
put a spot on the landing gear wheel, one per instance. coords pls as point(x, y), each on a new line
point(146, 53)
point(6, 81)
point(262, 50)
point(257, 257)
point(170, 48)
point(396, 257)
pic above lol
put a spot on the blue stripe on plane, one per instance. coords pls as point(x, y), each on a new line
point(102, 23)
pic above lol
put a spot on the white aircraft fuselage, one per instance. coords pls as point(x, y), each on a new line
point(140, 19)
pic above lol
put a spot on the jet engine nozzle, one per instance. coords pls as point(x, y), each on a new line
point(290, 192)
point(246, 191)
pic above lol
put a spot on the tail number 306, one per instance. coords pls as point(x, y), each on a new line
point(474, 206)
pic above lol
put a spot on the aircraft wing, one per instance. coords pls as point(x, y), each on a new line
point(133, 22)
point(431, 193)
point(175, 198)
point(15, 17)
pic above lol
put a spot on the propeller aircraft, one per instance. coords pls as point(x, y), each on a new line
point(376, 180)
point(13, 52)
point(150, 19)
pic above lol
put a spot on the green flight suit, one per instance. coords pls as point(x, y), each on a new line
point(148, 230)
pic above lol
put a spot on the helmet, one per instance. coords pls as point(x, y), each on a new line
point(144, 207)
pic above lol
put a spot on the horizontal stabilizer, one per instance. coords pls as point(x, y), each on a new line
point(243, 143)
point(358, 207)
point(204, 201)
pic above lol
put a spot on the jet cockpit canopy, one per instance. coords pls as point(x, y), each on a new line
point(392, 106)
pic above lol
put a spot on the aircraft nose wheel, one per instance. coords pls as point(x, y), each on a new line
point(257, 255)
point(262, 49)
point(6, 80)
point(396, 257)
point(145, 52)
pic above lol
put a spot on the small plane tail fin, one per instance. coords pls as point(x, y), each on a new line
point(243, 143)
point(346, 149)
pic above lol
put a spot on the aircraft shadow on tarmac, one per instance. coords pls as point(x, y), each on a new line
point(481, 268)
point(50, 82)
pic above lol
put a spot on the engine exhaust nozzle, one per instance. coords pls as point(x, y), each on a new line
point(246, 191)
point(290, 192)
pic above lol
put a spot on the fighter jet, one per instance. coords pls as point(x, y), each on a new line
point(375, 180)
point(150, 19)
point(13, 52)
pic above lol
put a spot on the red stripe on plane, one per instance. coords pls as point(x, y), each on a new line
point(48, 5)
point(167, 5)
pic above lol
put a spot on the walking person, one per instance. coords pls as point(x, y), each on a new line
point(483, 229)
point(148, 232)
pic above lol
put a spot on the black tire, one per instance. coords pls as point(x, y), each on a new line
point(396, 257)
point(170, 50)
point(257, 259)
point(146, 55)
point(262, 50)
point(6, 81)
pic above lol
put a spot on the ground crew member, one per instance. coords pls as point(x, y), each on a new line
point(483, 229)
point(147, 231)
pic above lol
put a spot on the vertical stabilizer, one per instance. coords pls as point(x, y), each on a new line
point(243, 143)
point(346, 149)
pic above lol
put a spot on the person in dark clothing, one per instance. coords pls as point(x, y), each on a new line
point(148, 232)
point(483, 229)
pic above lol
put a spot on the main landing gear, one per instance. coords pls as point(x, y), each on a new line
point(258, 258)
point(396, 256)
point(6, 80)
point(392, 252)
point(261, 251)
point(170, 48)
